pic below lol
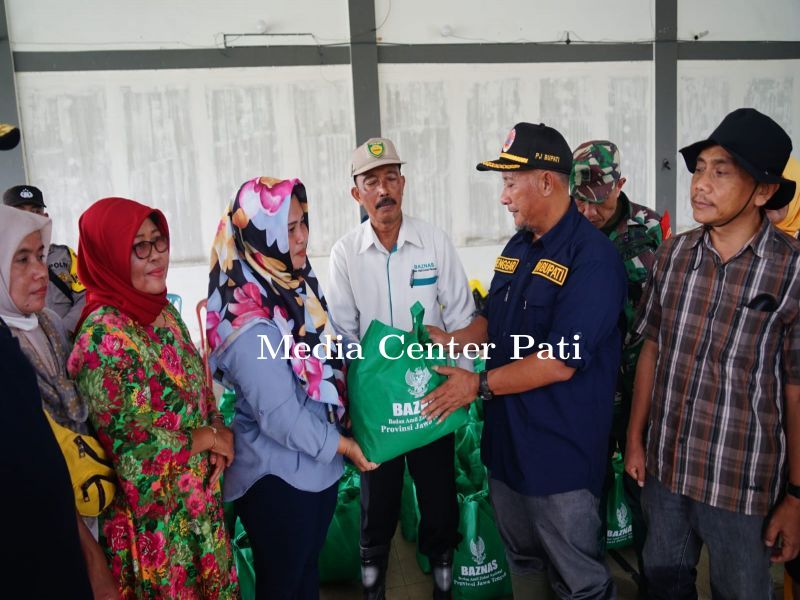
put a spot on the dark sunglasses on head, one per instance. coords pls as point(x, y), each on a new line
point(144, 248)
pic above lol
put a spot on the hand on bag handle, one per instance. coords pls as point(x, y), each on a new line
point(202, 307)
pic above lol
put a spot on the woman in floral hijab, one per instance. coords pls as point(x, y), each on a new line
point(264, 303)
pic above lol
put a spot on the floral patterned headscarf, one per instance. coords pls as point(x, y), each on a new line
point(252, 281)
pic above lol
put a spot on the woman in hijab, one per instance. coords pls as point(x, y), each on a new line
point(144, 381)
point(43, 341)
point(263, 294)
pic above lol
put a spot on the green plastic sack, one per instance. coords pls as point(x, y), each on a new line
point(471, 476)
point(385, 392)
point(476, 409)
point(480, 568)
point(618, 513)
point(339, 559)
point(227, 406)
point(243, 556)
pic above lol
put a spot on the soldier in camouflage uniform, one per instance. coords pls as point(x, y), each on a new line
point(596, 186)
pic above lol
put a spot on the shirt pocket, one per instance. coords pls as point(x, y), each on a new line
point(424, 278)
point(497, 303)
point(538, 307)
point(746, 343)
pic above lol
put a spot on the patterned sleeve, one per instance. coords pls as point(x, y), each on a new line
point(114, 374)
point(648, 316)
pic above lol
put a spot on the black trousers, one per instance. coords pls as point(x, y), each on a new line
point(433, 471)
point(287, 529)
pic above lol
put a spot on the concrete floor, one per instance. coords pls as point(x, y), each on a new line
point(405, 580)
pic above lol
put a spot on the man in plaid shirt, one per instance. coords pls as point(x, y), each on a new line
point(715, 383)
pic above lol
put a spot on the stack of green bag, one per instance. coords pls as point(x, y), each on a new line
point(339, 560)
point(243, 556)
point(480, 568)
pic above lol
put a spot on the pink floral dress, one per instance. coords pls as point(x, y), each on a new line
point(164, 534)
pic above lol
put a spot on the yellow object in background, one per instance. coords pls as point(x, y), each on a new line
point(791, 222)
point(476, 285)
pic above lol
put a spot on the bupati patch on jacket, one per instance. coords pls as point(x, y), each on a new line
point(551, 270)
point(505, 264)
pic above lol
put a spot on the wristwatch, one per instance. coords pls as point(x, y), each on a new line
point(793, 490)
point(484, 393)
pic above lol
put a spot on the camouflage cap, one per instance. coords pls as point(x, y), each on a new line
point(595, 170)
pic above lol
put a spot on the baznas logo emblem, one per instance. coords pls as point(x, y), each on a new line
point(478, 550)
point(376, 149)
point(417, 381)
point(622, 516)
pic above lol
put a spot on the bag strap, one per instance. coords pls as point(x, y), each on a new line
point(56, 281)
point(417, 328)
point(202, 307)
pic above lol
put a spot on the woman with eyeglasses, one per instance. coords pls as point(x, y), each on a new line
point(134, 362)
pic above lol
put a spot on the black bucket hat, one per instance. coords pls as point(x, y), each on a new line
point(758, 144)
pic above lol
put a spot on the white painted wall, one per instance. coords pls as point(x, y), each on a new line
point(445, 119)
point(470, 21)
point(59, 25)
point(739, 20)
point(184, 141)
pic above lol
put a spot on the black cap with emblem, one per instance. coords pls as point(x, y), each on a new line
point(22, 195)
point(530, 146)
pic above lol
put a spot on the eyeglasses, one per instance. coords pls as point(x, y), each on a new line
point(144, 248)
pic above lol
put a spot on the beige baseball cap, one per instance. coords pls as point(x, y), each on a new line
point(375, 152)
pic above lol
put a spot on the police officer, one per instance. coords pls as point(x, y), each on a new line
point(547, 400)
point(596, 183)
point(65, 293)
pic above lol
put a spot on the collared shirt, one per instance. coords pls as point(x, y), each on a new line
point(725, 333)
point(278, 429)
point(566, 287)
point(369, 282)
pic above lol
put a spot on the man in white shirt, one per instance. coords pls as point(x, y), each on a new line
point(378, 271)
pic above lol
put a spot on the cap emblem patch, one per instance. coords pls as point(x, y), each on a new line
point(376, 149)
point(509, 139)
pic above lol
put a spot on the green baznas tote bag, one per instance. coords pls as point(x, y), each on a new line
point(386, 386)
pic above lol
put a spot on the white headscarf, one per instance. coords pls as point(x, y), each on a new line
point(15, 226)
